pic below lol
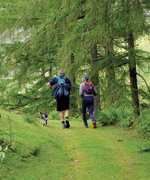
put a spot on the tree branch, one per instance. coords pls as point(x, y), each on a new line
point(144, 81)
point(41, 28)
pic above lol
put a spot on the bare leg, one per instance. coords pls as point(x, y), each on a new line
point(67, 113)
point(67, 120)
point(61, 115)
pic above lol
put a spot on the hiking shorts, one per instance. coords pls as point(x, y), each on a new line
point(62, 103)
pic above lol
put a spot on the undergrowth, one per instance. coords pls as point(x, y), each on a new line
point(144, 123)
point(125, 117)
point(112, 116)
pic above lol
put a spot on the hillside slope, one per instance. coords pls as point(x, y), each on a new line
point(39, 152)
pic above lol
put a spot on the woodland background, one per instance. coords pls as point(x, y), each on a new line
point(106, 40)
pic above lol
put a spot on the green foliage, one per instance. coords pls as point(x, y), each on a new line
point(144, 123)
point(48, 35)
point(53, 115)
point(146, 148)
point(4, 145)
point(113, 115)
point(2, 152)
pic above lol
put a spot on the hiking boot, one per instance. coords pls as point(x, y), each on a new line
point(94, 124)
point(63, 125)
point(67, 123)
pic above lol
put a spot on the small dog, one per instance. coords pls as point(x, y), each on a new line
point(44, 118)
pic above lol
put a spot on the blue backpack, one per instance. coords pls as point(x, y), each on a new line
point(61, 80)
point(62, 88)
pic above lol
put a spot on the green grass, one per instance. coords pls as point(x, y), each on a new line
point(71, 154)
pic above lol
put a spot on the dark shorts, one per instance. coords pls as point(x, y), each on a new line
point(62, 103)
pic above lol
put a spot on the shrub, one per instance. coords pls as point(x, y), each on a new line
point(112, 115)
point(144, 124)
point(54, 115)
point(3, 148)
point(2, 152)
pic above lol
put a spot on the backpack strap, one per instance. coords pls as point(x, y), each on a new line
point(58, 77)
point(88, 84)
point(61, 79)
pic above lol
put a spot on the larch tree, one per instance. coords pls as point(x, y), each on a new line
point(96, 38)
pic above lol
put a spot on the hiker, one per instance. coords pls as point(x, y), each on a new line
point(87, 92)
point(61, 92)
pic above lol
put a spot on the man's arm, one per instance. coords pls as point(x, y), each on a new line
point(81, 92)
point(50, 86)
point(69, 82)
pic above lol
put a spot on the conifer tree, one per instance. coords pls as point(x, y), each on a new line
point(135, 22)
point(96, 38)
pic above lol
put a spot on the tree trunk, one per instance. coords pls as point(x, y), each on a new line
point(95, 80)
point(110, 74)
point(132, 72)
point(74, 93)
point(132, 62)
point(73, 79)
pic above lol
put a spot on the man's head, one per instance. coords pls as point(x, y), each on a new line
point(61, 72)
point(84, 78)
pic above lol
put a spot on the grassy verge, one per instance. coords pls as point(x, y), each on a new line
point(77, 153)
point(37, 151)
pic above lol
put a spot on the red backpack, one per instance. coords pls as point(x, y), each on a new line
point(88, 88)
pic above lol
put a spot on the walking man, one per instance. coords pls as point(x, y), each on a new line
point(87, 92)
point(62, 101)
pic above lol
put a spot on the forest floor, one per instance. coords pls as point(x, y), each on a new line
point(52, 153)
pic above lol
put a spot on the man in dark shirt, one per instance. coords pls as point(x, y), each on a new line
point(62, 103)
